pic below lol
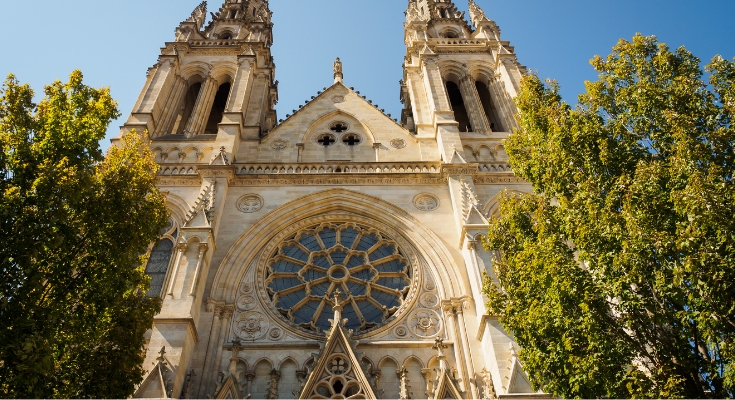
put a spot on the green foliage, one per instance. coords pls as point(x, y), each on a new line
point(74, 225)
point(618, 278)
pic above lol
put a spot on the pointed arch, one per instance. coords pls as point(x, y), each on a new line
point(426, 247)
point(313, 129)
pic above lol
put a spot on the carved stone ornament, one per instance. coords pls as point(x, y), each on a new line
point(400, 331)
point(426, 202)
point(251, 325)
point(246, 303)
point(429, 300)
point(275, 334)
point(398, 143)
point(338, 99)
point(250, 203)
point(425, 323)
point(279, 144)
point(246, 287)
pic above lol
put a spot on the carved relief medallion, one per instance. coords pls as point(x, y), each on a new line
point(246, 303)
point(338, 99)
point(425, 323)
point(275, 334)
point(251, 325)
point(250, 203)
point(398, 143)
point(429, 300)
point(426, 202)
point(400, 331)
point(246, 287)
point(279, 144)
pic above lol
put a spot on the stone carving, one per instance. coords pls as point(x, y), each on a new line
point(426, 202)
point(279, 144)
point(400, 331)
point(425, 323)
point(398, 143)
point(337, 67)
point(250, 203)
point(246, 303)
point(275, 334)
point(338, 99)
point(429, 300)
point(251, 325)
point(246, 287)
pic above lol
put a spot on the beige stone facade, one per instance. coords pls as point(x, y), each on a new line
point(333, 253)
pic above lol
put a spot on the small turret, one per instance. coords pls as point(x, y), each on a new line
point(486, 27)
point(193, 24)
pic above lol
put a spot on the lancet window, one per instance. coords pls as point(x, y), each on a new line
point(458, 106)
point(218, 108)
point(489, 107)
point(160, 258)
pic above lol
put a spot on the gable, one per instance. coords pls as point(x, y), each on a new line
point(355, 129)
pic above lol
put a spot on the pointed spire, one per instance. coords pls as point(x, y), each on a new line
point(198, 15)
point(482, 22)
point(476, 13)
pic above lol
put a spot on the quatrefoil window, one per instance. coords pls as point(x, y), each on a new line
point(363, 264)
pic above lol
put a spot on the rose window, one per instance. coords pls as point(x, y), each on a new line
point(307, 270)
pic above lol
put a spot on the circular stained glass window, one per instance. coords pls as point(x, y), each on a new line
point(307, 270)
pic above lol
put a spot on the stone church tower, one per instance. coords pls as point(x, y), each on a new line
point(333, 253)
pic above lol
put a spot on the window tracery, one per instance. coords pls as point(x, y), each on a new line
point(160, 258)
point(364, 264)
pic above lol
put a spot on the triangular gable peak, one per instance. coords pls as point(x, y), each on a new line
point(339, 99)
point(338, 372)
point(158, 383)
point(230, 389)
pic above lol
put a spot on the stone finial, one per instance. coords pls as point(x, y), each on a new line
point(338, 71)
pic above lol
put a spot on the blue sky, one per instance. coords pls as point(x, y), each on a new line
point(114, 42)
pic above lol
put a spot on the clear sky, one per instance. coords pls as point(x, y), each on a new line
point(114, 42)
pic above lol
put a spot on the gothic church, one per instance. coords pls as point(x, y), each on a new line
point(335, 252)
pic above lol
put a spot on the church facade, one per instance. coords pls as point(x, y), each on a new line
point(335, 252)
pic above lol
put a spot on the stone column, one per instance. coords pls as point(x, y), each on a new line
point(503, 105)
point(300, 147)
point(202, 107)
point(467, 353)
point(458, 354)
point(438, 99)
point(227, 312)
point(181, 247)
point(473, 105)
point(376, 146)
point(213, 338)
point(202, 251)
point(250, 377)
point(171, 106)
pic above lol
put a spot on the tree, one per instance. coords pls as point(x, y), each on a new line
point(617, 277)
point(74, 227)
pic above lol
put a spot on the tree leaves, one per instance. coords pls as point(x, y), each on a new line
point(617, 278)
point(75, 224)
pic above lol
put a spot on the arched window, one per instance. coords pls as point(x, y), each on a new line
point(489, 107)
point(187, 106)
point(218, 108)
point(157, 265)
point(460, 111)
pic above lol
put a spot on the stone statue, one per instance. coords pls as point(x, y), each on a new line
point(338, 70)
point(337, 66)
